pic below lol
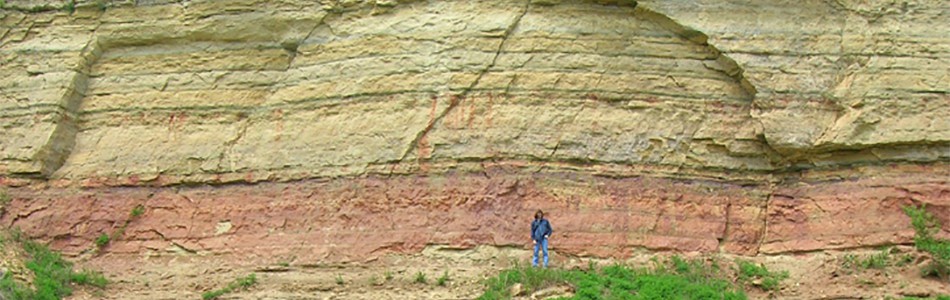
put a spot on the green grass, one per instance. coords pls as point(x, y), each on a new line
point(53, 277)
point(91, 278)
point(102, 240)
point(238, 284)
point(905, 259)
point(750, 272)
point(674, 279)
point(442, 280)
point(878, 260)
point(137, 211)
point(925, 226)
point(938, 297)
point(421, 278)
point(70, 6)
point(849, 262)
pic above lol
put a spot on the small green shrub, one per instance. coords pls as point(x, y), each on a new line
point(849, 262)
point(878, 260)
point(442, 280)
point(388, 275)
point(70, 6)
point(905, 259)
point(92, 278)
point(749, 272)
point(137, 211)
point(52, 275)
point(102, 240)
point(339, 280)
point(238, 284)
point(925, 226)
point(421, 278)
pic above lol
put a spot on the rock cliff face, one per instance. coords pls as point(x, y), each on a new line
point(343, 130)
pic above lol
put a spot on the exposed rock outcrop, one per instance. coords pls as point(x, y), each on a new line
point(349, 129)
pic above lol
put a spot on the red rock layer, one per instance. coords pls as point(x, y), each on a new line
point(361, 218)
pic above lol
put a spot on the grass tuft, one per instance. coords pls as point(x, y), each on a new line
point(70, 6)
point(878, 260)
point(102, 240)
point(137, 211)
point(442, 280)
point(241, 283)
point(421, 278)
point(750, 273)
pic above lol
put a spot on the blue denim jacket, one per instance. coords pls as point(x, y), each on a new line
point(540, 229)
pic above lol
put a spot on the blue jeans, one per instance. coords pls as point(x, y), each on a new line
point(543, 245)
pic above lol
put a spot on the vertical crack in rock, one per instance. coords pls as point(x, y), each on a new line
point(60, 144)
point(456, 99)
point(724, 238)
point(764, 228)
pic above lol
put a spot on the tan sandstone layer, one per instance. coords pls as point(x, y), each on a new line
point(344, 130)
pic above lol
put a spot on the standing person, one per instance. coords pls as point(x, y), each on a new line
point(540, 231)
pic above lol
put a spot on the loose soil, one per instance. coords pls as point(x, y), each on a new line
point(818, 275)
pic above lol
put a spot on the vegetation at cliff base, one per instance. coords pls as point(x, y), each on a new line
point(421, 278)
point(241, 283)
point(938, 297)
point(751, 273)
point(926, 226)
point(675, 278)
point(53, 277)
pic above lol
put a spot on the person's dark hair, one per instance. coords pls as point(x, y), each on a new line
point(538, 214)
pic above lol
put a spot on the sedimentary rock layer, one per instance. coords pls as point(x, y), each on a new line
point(357, 219)
point(768, 127)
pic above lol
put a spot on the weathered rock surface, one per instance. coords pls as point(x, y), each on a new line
point(345, 129)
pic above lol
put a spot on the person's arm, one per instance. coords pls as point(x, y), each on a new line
point(534, 226)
